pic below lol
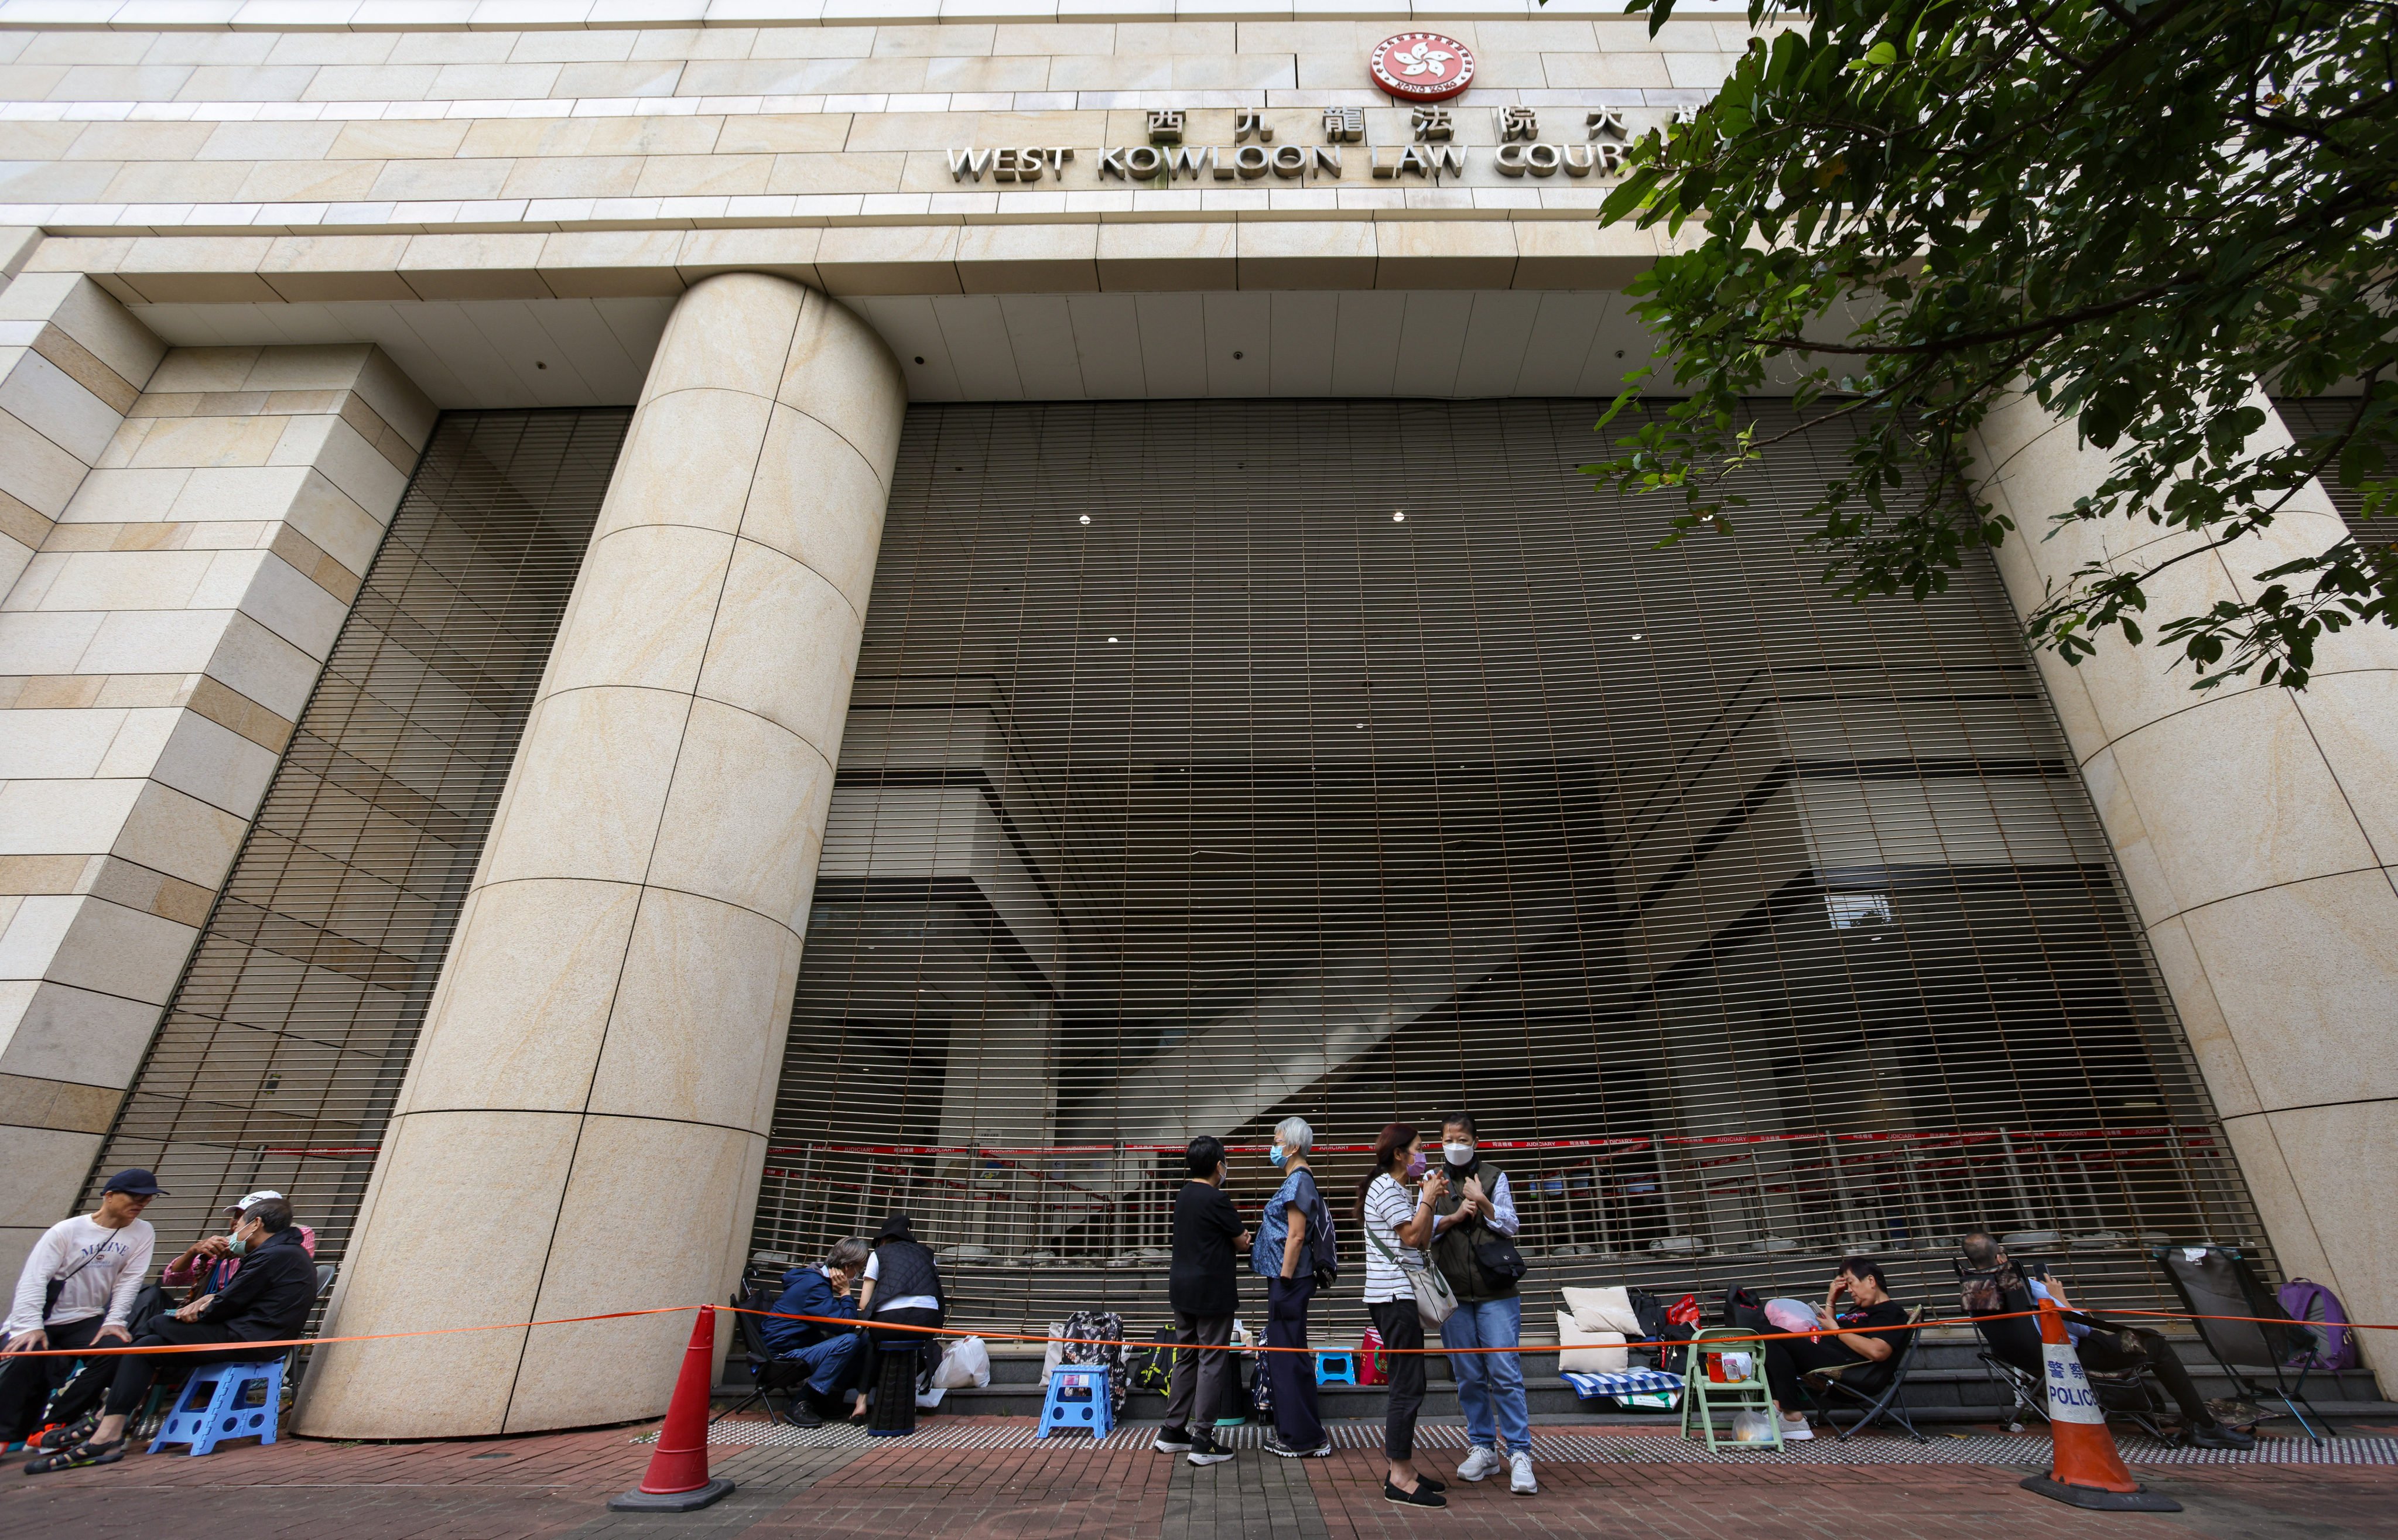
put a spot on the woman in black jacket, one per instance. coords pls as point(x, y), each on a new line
point(902, 1286)
point(267, 1301)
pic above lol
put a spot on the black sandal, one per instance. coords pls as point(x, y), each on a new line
point(68, 1435)
point(85, 1454)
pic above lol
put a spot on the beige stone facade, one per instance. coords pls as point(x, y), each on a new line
point(254, 246)
point(194, 525)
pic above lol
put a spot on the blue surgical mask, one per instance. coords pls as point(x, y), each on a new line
point(1277, 1154)
point(1416, 1167)
point(237, 1247)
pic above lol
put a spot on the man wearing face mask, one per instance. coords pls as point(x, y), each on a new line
point(267, 1301)
point(1476, 1215)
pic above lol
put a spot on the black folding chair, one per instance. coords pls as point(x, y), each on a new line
point(769, 1374)
point(1872, 1398)
point(2214, 1281)
point(2010, 1347)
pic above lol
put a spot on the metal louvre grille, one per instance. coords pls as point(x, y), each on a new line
point(1186, 786)
point(2305, 414)
point(286, 1040)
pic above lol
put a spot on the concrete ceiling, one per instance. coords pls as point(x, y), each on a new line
point(1433, 344)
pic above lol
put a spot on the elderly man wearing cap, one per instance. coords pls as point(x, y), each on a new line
point(267, 1302)
point(76, 1291)
point(209, 1264)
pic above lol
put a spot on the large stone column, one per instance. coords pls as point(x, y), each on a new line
point(583, 1125)
point(2257, 829)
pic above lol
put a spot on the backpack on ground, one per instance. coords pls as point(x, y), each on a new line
point(1153, 1362)
point(1741, 1308)
point(2311, 1302)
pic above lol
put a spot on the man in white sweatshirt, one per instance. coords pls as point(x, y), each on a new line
point(96, 1262)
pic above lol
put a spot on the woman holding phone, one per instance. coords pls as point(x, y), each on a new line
point(1398, 1225)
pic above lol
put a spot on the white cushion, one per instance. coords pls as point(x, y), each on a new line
point(1603, 1310)
point(1583, 1352)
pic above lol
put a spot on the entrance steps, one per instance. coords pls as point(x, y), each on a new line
point(1947, 1384)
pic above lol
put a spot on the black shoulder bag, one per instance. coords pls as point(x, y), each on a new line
point(58, 1286)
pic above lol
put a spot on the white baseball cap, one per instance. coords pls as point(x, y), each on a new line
point(250, 1201)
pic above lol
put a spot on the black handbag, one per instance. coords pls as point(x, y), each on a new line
point(59, 1286)
point(1496, 1255)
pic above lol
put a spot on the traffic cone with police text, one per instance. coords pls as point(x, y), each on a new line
point(677, 1480)
point(2085, 1470)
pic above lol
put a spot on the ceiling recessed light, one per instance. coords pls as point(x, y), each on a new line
point(1400, 517)
point(1086, 519)
point(1635, 636)
point(1111, 639)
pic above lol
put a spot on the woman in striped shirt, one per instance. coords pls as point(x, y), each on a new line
point(1398, 1226)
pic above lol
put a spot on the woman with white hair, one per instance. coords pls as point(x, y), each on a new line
point(1297, 1252)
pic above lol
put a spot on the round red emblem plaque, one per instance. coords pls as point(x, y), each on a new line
point(1422, 66)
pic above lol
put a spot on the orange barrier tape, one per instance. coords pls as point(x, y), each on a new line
point(319, 1342)
point(1536, 1349)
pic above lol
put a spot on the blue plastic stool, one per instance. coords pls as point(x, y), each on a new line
point(1334, 1366)
point(211, 1410)
point(1078, 1401)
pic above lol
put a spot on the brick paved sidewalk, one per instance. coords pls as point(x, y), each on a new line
point(557, 1485)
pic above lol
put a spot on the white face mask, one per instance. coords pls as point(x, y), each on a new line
point(1458, 1155)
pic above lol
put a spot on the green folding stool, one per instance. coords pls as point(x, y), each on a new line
point(1703, 1396)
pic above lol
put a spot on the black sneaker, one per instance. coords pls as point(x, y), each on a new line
point(2216, 1436)
point(1423, 1497)
point(1205, 1451)
point(801, 1414)
point(1172, 1441)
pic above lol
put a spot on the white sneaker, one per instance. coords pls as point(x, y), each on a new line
point(1481, 1463)
point(1795, 1429)
point(1519, 1474)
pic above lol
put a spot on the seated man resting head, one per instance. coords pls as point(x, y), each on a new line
point(1857, 1301)
point(821, 1290)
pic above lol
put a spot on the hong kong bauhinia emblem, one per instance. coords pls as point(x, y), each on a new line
point(1422, 66)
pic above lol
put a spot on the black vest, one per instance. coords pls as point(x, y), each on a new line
point(1452, 1249)
point(905, 1267)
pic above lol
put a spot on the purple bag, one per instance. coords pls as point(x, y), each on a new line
point(2312, 1303)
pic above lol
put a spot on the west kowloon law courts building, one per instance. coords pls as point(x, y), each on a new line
point(638, 630)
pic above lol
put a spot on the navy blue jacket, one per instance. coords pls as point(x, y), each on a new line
point(806, 1291)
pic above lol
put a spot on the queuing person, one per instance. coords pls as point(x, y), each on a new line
point(1296, 1249)
point(1475, 1206)
point(1397, 1227)
point(76, 1289)
point(902, 1286)
point(2102, 1345)
point(209, 1264)
point(829, 1351)
point(1849, 1340)
point(1204, 1293)
point(267, 1301)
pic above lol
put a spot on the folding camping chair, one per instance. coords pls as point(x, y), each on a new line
point(771, 1375)
point(2011, 1346)
point(1874, 1400)
point(2214, 1281)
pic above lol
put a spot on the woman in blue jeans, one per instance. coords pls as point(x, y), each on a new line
point(1475, 1206)
point(1295, 1250)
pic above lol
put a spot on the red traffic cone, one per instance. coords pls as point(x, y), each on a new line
point(677, 1480)
point(2086, 1469)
